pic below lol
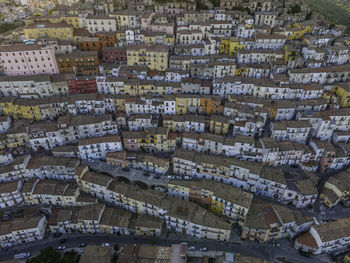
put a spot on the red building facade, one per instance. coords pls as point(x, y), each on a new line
point(114, 55)
point(78, 85)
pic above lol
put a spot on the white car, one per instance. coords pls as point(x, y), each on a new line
point(61, 248)
point(191, 248)
point(106, 244)
point(203, 249)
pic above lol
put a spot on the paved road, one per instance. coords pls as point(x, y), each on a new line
point(265, 251)
point(133, 175)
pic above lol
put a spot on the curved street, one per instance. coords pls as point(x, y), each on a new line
point(265, 251)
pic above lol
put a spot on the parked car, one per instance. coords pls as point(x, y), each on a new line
point(203, 249)
point(126, 169)
point(146, 174)
point(156, 176)
point(170, 177)
point(61, 247)
point(57, 234)
point(191, 248)
point(82, 244)
point(106, 245)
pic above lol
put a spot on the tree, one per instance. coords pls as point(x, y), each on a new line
point(239, 8)
point(200, 5)
point(47, 255)
point(216, 3)
point(116, 247)
point(308, 16)
point(4, 27)
point(295, 9)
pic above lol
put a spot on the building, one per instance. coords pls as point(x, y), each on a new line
point(10, 194)
point(267, 222)
point(296, 131)
point(82, 84)
point(44, 29)
point(51, 192)
point(336, 189)
point(97, 254)
point(100, 23)
point(82, 63)
point(328, 238)
point(97, 42)
point(342, 90)
point(28, 59)
point(98, 147)
point(23, 229)
point(48, 167)
point(114, 55)
point(154, 57)
point(219, 198)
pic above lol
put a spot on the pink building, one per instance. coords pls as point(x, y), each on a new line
point(132, 140)
point(165, 28)
point(28, 59)
point(146, 20)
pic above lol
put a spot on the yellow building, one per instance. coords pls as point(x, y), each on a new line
point(219, 124)
point(217, 207)
point(38, 30)
point(292, 33)
point(156, 139)
point(181, 105)
point(304, 25)
point(290, 53)
point(174, 187)
point(135, 87)
point(229, 46)
point(154, 57)
point(342, 90)
point(120, 35)
point(28, 109)
point(9, 108)
point(69, 19)
point(126, 19)
point(154, 38)
point(169, 40)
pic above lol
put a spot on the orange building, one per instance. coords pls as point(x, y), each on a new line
point(211, 105)
point(82, 63)
point(97, 42)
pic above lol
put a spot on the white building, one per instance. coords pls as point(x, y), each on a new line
point(22, 230)
point(100, 23)
point(10, 194)
point(295, 131)
point(331, 237)
point(96, 148)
